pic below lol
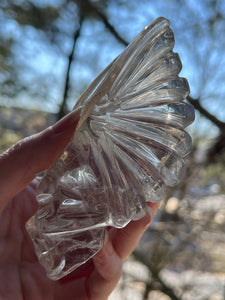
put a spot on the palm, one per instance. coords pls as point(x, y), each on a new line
point(21, 275)
point(17, 250)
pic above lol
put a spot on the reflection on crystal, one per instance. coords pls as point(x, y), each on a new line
point(129, 145)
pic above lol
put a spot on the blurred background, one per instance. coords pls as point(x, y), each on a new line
point(51, 50)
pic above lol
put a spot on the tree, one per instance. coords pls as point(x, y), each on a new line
point(200, 42)
point(52, 51)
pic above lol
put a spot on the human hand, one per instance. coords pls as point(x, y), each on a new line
point(21, 275)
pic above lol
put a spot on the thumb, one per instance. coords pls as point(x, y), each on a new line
point(23, 161)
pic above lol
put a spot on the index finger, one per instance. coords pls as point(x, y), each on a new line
point(22, 162)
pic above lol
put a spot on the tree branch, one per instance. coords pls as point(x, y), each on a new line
point(155, 274)
point(218, 148)
point(108, 25)
point(197, 105)
point(63, 106)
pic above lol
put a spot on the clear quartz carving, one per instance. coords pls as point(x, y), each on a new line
point(128, 147)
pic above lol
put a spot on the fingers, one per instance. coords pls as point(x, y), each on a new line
point(102, 275)
point(126, 239)
point(22, 162)
point(108, 261)
point(108, 269)
point(106, 266)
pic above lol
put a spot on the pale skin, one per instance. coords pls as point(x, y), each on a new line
point(21, 275)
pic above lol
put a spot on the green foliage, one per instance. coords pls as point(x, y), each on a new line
point(38, 17)
point(17, 123)
point(8, 138)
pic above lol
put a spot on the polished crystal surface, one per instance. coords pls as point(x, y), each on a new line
point(128, 147)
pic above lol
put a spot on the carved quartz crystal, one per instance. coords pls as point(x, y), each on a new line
point(128, 147)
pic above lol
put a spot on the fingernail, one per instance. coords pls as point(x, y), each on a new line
point(151, 213)
point(67, 122)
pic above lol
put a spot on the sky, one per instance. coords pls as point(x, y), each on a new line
point(44, 61)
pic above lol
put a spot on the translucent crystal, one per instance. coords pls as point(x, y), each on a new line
point(129, 145)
